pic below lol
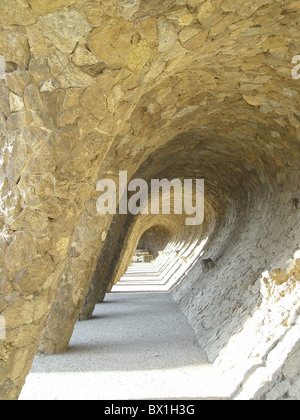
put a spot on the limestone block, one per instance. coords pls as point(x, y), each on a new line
point(21, 251)
point(39, 44)
point(247, 8)
point(72, 98)
point(147, 27)
point(129, 7)
point(49, 85)
point(19, 120)
point(197, 40)
point(167, 36)
point(111, 43)
point(5, 109)
point(114, 97)
point(295, 5)
point(42, 7)
point(33, 98)
point(32, 221)
point(44, 159)
point(205, 10)
point(16, 103)
point(94, 100)
point(73, 77)
point(188, 33)
point(279, 390)
point(62, 247)
point(83, 57)
point(17, 81)
point(13, 45)
point(141, 55)
point(295, 389)
point(181, 17)
point(93, 11)
point(57, 61)
point(15, 12)
point(86, 123)
point(121, 79)
point(28, 280)
point(39, 69)
point(69, 116)
point(111, 8)
point(292, 366)
point(19, 309)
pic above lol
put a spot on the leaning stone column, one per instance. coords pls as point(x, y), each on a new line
point(107, 261)
point(75, 281)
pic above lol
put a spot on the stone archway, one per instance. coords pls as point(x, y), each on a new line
point(154, 240)
point(161, 89)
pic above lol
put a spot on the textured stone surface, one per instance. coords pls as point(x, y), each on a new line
point(112, 41)
point(16, 12)
point(192, 90)
point(40, 7)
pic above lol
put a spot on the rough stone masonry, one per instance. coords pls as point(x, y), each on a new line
point(187, 89)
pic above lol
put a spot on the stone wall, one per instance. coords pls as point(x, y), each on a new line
point(185, 89)
point(245, 310)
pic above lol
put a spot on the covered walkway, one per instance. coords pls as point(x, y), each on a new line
point(138, 345)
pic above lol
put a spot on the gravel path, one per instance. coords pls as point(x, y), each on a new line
point(137, 346)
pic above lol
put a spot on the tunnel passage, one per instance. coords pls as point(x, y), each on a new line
point(154, 240)
point(233, 281)
point(189, 90)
